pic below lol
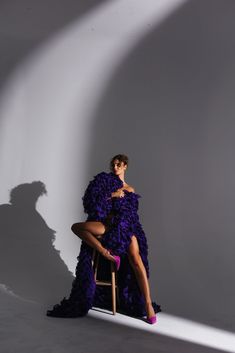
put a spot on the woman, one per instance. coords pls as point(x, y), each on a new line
point(112, 207)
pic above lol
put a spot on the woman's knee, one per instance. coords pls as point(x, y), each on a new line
point(133, 252)
point(94, 227)
point(76, 227)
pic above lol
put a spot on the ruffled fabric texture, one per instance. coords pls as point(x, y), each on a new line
point(124, 223)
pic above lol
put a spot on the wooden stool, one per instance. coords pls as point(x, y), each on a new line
point(112, 283)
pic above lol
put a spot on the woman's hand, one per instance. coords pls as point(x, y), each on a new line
point(118, 193)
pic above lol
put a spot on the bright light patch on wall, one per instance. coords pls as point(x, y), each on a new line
point(49, 101)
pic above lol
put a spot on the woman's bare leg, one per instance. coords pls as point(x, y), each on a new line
point(140, 273)
point(88, 232)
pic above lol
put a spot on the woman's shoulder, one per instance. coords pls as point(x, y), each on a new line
point(129, 188)
point(132, 192)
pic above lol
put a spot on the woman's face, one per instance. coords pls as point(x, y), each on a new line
point(118, 167)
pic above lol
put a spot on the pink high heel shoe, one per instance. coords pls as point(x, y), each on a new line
point(117, 259)
point(151, 320)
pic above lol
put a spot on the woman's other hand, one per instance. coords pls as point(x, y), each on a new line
point(118, 193)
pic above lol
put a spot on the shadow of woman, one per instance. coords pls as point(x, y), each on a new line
point(30, 266)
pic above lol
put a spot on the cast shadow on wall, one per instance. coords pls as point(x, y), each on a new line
point(169, 107)
point(29, 264)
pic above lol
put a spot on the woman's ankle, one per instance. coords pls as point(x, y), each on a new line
point(150, 310)
point(105, 252)
point(148, 302)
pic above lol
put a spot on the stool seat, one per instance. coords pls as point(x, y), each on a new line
point(112, 282)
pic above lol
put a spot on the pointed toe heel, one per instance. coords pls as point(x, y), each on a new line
point(152, 320)
point(117, 261)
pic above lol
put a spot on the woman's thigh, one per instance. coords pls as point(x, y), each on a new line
point(133, 247)
point(133, 253)
point(95, 227)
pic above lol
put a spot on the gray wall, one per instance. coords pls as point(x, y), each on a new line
point(169, 106)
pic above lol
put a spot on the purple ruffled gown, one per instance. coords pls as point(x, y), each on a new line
point(124, 223)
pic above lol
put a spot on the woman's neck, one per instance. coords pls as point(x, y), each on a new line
point(122, 179)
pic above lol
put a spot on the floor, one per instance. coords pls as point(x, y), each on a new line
point(25, 328)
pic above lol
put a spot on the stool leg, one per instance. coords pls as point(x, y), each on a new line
point(93, 257)
point(113, 288)
point(118, 299)
point(96, 266)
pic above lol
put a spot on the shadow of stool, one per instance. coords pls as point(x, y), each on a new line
point(112, 282)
